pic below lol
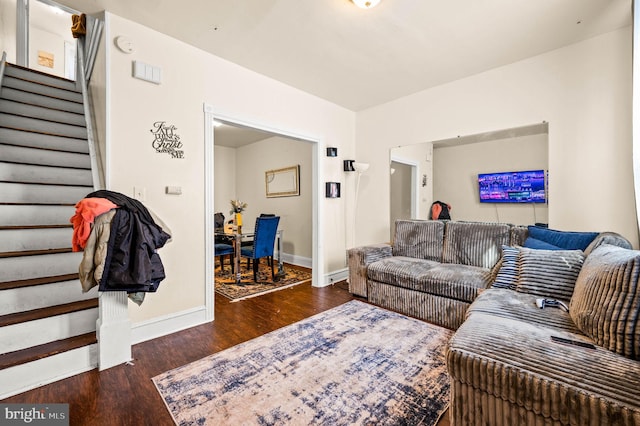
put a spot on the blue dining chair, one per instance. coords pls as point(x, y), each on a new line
point(222, 250)
point(264, 239)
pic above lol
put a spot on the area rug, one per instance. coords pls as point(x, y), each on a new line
point(225, 282)
point(355, 364)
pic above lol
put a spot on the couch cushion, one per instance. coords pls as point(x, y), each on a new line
point(507, 276)
point(421, 239)
point(606, 301)
point(548, 273)
point(563, 239)
point(545, 273)
point(535, 243)
point(506, 303)
point(401, 271)
point(474, 243)
point(459, 282)
point(566, 384)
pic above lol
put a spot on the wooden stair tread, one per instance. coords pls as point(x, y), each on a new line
point(37, 281)
point(16, 227)
point(50, 311)
point(9, 64)
point(53, 166)
point(51, 77)
point(34, 353)
point(37, 204)
point(8, 254)
point(44, 133)
point(47, 183)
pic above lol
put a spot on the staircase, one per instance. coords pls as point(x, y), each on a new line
point(47, 325)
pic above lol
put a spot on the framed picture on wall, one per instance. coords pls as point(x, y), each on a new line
point(283, 182)
point(332, 152)
point(332, 189)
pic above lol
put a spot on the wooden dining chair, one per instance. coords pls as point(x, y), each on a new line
point(264, 239)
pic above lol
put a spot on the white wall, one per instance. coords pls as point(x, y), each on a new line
point(455, 177)
point(190, 79)
point(583, 91)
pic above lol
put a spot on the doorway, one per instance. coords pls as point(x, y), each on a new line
point(314, 175)
point(403, 191)
point(43, 38)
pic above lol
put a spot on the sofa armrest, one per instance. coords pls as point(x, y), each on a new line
point(612, 238)
point(358, 258)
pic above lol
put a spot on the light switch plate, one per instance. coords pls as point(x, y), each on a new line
point(139, 193)
point(175, 190)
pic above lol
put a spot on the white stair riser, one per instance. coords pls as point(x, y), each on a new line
point(47, 265)
point(35, 239)
point(10, 172)
point(39, 140)
point(42, 113)
point(49, 127)
point(38, 332)
point(21, 378)
point(40, 100)
point(43, 90)
point(42, 194)
point(44, 157)
point(34, 297)
point(15, 215)
point(40, 78)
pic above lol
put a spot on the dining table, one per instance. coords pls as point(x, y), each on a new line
point(237, 236)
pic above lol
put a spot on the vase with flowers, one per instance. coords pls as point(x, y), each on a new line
point(237, 207)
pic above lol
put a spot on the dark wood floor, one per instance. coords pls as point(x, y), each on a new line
point(125, 395)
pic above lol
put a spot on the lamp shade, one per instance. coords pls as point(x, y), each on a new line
point(360, 167)
point(366, 4)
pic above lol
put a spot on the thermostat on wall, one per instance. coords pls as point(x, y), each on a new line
point(124, 44)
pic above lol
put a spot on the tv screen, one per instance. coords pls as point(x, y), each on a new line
point(512, 187)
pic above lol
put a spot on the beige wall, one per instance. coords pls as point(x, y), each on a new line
point(583, 91)
point(8, 29)
point(190, 79)
point(455, 177)
point(224, 169)
point(295, 212)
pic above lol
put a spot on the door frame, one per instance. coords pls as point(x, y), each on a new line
point(211, 114)
point(22, 27)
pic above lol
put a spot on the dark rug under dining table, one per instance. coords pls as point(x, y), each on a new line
point(226, 286)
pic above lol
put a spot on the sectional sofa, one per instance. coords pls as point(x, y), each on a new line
point(510, 361)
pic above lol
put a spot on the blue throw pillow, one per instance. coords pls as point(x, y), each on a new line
point(534, 243)
point(563, 239)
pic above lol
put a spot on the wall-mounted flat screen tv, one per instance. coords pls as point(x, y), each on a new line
point(512, 187)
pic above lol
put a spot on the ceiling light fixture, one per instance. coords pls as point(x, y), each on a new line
point(366, 4)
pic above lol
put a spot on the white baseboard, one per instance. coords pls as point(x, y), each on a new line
point(161, 326)
point(306, 262)
point(335, 276)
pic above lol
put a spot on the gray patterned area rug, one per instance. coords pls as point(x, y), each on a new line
point(355, 364)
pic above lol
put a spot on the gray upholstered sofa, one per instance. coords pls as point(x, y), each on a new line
point(434, 269)
point(506, 365)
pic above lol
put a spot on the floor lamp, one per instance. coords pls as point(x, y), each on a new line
point(359, 168)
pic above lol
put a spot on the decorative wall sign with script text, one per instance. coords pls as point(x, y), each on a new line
point(166, 139)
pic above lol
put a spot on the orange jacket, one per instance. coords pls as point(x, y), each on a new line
point(86, 211)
